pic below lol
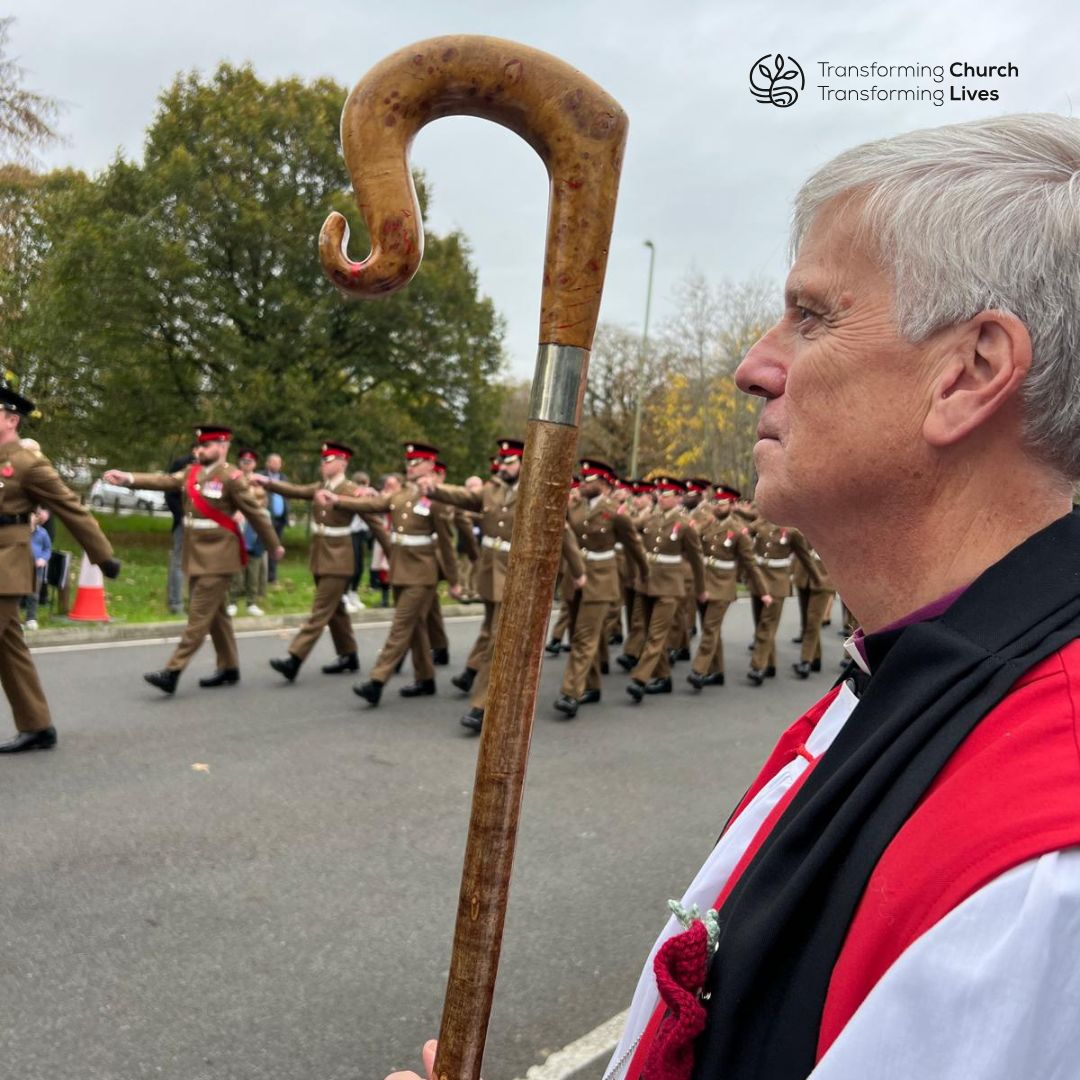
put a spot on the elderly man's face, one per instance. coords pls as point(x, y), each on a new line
point(845, 394)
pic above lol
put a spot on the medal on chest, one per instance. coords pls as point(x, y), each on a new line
point(675, 530)
point(7, 471)
point(212, 489)
point(423, 507)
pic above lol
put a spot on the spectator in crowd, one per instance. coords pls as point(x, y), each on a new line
point(279, 511)
point(41, 550)
point(250, 582)
point(175, 503)
point(361, 538)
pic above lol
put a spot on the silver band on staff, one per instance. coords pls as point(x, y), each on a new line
point(558, 387)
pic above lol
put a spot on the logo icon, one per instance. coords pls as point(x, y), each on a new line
point(773, 79)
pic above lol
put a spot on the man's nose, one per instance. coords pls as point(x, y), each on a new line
point(763, 371)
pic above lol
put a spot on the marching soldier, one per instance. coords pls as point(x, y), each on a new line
point(564, 587)
point(695, 503)
point(599, 525)
point(775, 548)
point(819, 593)
point(727, 551)
point(613, 634)
point(436, 627)
point(642, 507)
point(332, 562)
point(27, 480)
point(214, 549)
point(670, 540)
point(420, 545)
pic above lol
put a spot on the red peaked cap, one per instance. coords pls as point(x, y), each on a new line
point(669, 483)
point(213, 433)
point(440, 467)
point(247, 452)
point(698, 483)
point(415, 451)
point(336, 449)
point(592, 467)
point(643, 487)
point(624, 485)
point(511, 448)
point(724, 493)
point(16, 403)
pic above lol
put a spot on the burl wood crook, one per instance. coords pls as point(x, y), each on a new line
point(580, 133)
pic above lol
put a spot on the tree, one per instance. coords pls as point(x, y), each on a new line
point(26, 117)
point(188, 288)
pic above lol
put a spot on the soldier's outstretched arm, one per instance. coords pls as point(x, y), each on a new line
point(461, 497)
point(43, 482)
point(358, 504)
point(258, 515)
point(149, 481)
point(291, 491)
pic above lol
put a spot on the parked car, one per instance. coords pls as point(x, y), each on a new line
point(114, 496)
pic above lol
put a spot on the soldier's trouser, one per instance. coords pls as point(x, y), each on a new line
point(562, 623)
point(635, 639)
point(18, 676)
point(478, 700)
point(709, 659)
point(326, 610)
point(207, 596)
point(250, 583)
point(768, 622)
point(653, 661)
point(466, 569)
point(482, 644)
point(436, 628)
point(583, 663)
point(409, 629)
point(683, 623)
point(613, 620)
point(815, 613)
point(804, 604)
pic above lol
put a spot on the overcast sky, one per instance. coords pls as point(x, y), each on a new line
point(709, 172)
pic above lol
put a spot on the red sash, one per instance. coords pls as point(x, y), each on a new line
point(212, 512)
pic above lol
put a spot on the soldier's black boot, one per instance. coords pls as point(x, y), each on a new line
point(568, 706)
point(658, 686)
point(440, 657)
point(615, 639)
point(553, 647)
point(815, 665)
point(756, 676)
point(420, 688)
point(473, 719)
point(636, 689)
point(228, 676)
point(695, 680)
point(626, 662)
point(288, 667)
point(716, 679)
point(45, 739)
point(802, 669)
point(770, 672)
point(345, 662)
point(465, 680)
point(370, 691)
point(590, 697)
point(165, 679)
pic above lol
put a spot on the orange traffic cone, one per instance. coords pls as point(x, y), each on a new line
point(89, 603)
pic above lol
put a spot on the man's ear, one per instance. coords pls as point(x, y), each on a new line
point(982, 373)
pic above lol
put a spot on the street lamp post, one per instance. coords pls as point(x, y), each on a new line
point(641, 362)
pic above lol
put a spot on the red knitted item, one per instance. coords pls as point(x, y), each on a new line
point(680, 968)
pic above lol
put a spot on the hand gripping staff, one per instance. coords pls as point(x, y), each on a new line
point(579, 132)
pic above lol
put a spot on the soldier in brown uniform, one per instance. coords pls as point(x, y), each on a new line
point(496, 503)
point(598, 524)
point(819, 593)
point(670, 540)
point(436, 627)
point(695, 503)
point(332, 561)
point(213, 492)
point(614, 632)
point(420, 545)
point(28, 480)
point(727, 551)
point(774, 549)
point(564, 588)
point(641, 508)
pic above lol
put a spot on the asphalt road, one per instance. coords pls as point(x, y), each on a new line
point(260, 881)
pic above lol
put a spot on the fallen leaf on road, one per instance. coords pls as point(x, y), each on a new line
point(200, 766)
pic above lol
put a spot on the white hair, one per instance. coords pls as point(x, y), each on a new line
point(977, 216)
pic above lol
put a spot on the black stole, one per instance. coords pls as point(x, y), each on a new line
point(784, 923)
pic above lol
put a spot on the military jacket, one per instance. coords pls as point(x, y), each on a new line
point(775, 550)
point(210, 548)
point(496, 503)
point(801, 575)
point(421, 546)
point(27, 480)
point(330, 553)
point(670, 539)
point(598, 528)
point(728, 552)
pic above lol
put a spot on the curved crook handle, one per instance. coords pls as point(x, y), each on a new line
point(577, 129)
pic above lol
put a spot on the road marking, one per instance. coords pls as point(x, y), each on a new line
point(584, 1051)
point(173, 638)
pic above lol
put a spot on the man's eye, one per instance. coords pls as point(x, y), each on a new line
point(805, 319)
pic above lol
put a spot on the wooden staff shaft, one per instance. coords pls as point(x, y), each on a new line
point(580, 133)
